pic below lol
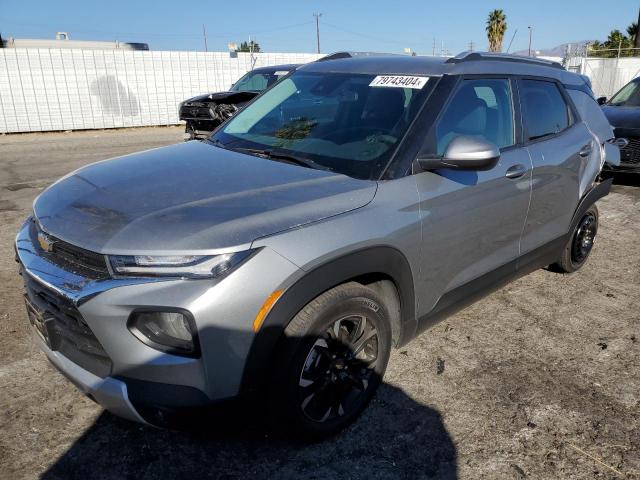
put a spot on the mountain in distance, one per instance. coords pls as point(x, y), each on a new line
point(558, 51)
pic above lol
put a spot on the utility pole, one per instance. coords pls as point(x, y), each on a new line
point(253, 58)
point(619, 47)
point(318, 15)
point(204, 33)
point(530, 31)
point(471, 46)
point(433, 49)
point(637, 39)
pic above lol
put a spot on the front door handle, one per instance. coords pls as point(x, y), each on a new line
point(516, 171)
point(585, 151)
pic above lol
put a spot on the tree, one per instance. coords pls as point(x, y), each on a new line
point(249, 46)
point(616, 41)
point(496, 26)
point(631, 31)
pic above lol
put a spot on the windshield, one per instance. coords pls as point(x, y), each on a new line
point(343, 122)
point(628, 96)
point(258, 81)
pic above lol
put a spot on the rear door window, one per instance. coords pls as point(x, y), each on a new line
point(545, 111)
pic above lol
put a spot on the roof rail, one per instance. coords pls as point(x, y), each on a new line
point(335, 56)
point(338, 55)
point(502, 57)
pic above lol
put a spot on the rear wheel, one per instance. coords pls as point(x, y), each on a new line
point(332, 359)
point(581, 242)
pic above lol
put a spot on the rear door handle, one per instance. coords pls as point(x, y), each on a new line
point(516, 171)
point(585, 151)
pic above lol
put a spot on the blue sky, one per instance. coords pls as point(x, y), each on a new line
point(288, 26)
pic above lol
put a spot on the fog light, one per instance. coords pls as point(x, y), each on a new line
point(169, 331)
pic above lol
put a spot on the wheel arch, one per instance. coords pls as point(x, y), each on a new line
point(590, 198)
point(384, 269)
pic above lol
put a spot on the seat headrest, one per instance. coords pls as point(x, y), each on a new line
point(384, 107)
point(472, 116)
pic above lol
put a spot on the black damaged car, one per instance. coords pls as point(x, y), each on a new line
point(205, 112)
point(623, 113)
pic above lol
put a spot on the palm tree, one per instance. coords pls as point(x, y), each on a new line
point(631, 31)
point(496, 26)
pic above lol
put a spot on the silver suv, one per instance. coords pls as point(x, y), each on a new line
point(340, 214)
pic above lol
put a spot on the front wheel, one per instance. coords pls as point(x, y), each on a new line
point(332, 359)
point(577, 250)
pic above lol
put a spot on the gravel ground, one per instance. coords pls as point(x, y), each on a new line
point(539, 380)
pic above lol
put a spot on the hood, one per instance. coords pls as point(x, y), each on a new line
point(623, 117)
point(223, 97)
point(190, 196)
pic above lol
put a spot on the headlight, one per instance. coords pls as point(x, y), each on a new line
point(185, 266)
point(168, 331)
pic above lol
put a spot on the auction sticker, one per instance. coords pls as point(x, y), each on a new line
point(400, 81)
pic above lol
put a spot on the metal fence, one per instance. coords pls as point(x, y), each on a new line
point(608, 75)
point(73, 89)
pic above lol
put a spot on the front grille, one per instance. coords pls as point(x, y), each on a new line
point(69, 257)
point(68, 332)
point(630, 154)
point(197, 111)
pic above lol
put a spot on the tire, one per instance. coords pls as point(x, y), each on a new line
point(326, 372)
point(579, 246)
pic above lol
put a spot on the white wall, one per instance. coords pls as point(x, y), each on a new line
point(608, 75)
point(69, 89)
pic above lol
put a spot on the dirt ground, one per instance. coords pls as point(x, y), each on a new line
point(539, 380)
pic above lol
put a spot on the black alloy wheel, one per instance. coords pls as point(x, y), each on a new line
point(580, 243)
point(338, 369)
point(330, 361)
point(584, 238)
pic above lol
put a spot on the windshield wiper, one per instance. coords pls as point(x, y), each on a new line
point(215, 142)
point(285, 157)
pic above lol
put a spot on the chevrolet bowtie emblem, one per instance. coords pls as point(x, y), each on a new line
point(45, 242)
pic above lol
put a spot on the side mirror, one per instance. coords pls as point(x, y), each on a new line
point(601, 100)
point(464, 153)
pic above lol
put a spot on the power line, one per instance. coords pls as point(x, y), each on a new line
point(514, 36)
point(285, 27)
point(364, 35)
point(84, 30)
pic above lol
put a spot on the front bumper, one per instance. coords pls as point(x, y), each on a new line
point(109, 392)
point(140, 380)
point(630, 154)
point(622, 168)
